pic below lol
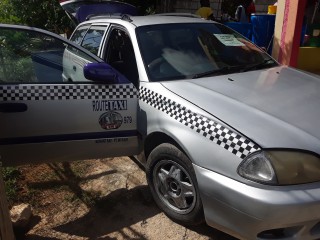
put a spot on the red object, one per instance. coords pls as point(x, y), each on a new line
point(250, 9)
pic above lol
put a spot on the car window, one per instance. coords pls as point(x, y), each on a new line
point(79, 34)
point(92, 39)
point(28, 56)
point(120, 54)
point(186, 50)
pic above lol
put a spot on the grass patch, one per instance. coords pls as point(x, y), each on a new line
point(11, 176)
point(15, 187)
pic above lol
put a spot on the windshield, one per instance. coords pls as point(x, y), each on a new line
point(193, 50)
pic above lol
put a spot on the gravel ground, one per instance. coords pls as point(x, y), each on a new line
point(99, 199)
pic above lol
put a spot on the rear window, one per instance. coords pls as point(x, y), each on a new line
point(93, 38)
point(79, 34)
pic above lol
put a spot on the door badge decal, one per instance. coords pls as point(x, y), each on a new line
point(110, 120)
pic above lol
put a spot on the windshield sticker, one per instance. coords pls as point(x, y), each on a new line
point(110, 120)
point(229, 40)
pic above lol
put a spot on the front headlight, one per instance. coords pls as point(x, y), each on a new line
point(278, 167)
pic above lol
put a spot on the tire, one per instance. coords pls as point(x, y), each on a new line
point(172, 181)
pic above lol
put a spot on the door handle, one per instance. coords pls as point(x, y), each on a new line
point(13, 107)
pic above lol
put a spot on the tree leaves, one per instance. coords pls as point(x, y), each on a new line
point(48, 14)
point(45, 14)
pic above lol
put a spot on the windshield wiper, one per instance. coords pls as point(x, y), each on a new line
point(226, 69)
point(232, 69)
point(264, 63)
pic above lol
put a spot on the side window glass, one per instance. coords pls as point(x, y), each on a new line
point(120, 55)
point(79, 34)
point(28, 56)
point(92, 39)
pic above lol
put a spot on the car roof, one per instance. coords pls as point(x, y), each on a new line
point(147, 20)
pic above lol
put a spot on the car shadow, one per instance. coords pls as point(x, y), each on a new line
point(206, 230)
point(119, 209)
point(118, 213)
point(122, 209)
point(67, 177)
point(35, 237)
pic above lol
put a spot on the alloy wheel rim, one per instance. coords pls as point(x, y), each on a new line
point(174, 186)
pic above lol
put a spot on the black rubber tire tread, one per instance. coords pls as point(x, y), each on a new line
point(170, 152)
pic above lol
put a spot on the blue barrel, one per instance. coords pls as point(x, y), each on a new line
point(263, 29)
point(243, 28)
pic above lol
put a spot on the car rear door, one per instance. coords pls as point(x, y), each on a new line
point(44, 118)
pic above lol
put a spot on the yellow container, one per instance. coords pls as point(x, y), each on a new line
point(272, 9)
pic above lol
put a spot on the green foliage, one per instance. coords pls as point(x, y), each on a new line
point(10, 177)
point(10, 173)
point(15, 191)
point(45, 14)
point(15, 60)
point(23, 69)
point(7, 14)
point(48, 14)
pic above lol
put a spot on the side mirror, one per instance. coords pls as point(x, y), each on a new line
point(103, 72)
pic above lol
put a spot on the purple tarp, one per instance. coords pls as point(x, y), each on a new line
point(104, 8)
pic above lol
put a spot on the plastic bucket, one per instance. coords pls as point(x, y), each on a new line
point(272, 9)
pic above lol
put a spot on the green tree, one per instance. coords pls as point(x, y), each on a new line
point(7, 14)
point(45, 14)
point(48, 14)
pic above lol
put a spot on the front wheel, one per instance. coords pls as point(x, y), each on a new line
point(173, 184)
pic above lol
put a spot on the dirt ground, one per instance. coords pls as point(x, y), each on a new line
point(98, 199)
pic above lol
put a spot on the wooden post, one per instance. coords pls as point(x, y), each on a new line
point(287, 33)
point(6, 231)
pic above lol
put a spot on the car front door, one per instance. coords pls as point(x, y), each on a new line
point(44, 117)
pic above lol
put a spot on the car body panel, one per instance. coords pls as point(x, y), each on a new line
point(58, 119)
point(247, 211)
point(163, 111)
point(277, 98)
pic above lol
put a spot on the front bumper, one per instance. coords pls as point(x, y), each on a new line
point(266, 212)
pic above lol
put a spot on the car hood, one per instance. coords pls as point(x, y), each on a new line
point(276, 107)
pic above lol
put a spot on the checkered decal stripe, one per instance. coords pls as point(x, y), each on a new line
point(66, 92)
point(224, 137)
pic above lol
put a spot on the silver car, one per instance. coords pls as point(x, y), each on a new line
point(226, 134)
